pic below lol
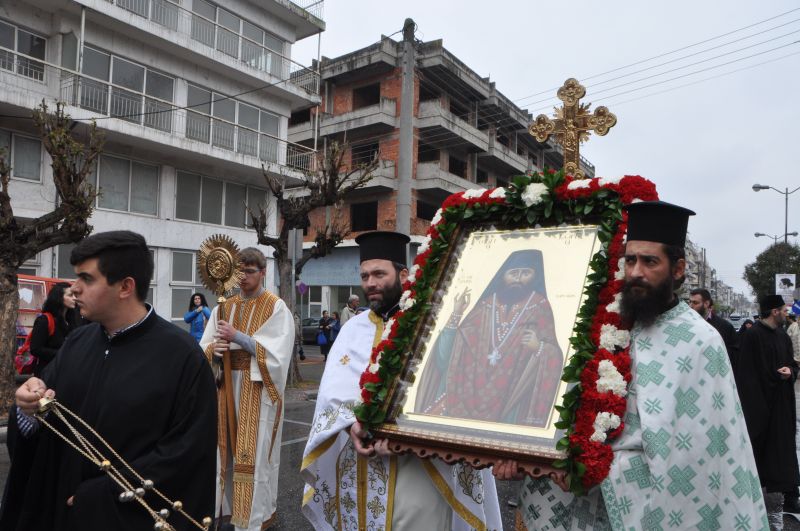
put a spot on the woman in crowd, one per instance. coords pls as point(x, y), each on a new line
point(336, 325)
point(198, 315)
point(60, 306)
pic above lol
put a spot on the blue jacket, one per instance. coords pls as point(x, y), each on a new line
point(197, 322)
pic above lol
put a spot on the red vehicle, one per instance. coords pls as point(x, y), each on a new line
point(32, 293)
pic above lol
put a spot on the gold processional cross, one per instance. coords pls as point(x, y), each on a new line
point(572, 125)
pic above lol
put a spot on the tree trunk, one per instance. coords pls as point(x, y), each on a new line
point(285, 293)
point(9, 306)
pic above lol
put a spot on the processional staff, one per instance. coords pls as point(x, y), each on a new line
point(572, 125)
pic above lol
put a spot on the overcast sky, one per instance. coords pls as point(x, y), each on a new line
point(704, 145)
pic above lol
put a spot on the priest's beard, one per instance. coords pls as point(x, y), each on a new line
point(390, 296)
point(645, 307)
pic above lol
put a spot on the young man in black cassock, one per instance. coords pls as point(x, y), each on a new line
point(766, 388)
point(140, 382)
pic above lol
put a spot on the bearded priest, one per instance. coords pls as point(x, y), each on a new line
point(352, 484)
point(684, 458)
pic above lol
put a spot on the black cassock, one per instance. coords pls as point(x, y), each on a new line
point(768, 403)
point(150, 393)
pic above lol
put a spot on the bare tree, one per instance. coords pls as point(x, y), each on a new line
point(21, 240)
point(328, 186)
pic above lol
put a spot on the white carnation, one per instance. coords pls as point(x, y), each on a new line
point(612, 337)
point(413, 272)
point(637, 200)
point(615, 305)
point(387, 328)
point(436, 218)
point(578, 183)
point(603, 423)
point(426, 243)
point(620, 274)
point(534, 193)
point(373, 368)
point(610, 379)
point(473, 193)
point(409, 302)
point(498, 193)
point(604, 181)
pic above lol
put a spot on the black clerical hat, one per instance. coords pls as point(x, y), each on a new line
point(770, 302)
point(383, 245)
point(657, 221)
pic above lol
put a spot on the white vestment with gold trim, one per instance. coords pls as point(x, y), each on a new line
point(267, 371)
point(347, 492)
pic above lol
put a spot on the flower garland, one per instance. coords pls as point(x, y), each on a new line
point(591, 410)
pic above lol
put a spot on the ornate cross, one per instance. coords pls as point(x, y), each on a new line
point(572, 125)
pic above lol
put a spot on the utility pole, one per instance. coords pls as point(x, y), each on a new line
point(405, 161)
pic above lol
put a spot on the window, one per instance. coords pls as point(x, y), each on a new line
point(426, 210)
point(427, 93)
point(364, 153)
point(23, 154)
point(458, 167)
point(427, 153)
point(141, 95)
point(223, 130)
point(184, 283)
point(366, 96)
point(65, 269)
point(237, 38)
point(481, 176)
point(300, 117)
point(198, 126)
point(247, 139)
point(29, 47)
point(270, 125)
point(364, 216)
point(199, 198)
point(127, 185)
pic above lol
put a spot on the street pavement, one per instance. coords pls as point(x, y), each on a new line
point(298, 414)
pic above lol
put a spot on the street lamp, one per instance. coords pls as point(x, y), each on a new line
point(774, 238)
point(759, 187)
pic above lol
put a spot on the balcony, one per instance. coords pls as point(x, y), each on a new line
point(447, 126)
point(505, 159)
point(307, 16)
point(27, 80)
point(438, 183)
point(211, 43)
point(371, 120)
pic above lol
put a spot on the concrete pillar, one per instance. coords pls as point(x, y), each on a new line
point(405, 156)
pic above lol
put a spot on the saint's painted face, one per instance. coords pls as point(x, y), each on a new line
point(518, 277)
point(382, 284)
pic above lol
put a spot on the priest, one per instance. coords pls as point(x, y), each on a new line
point(352, 484)
point(140, 382)
point(259, 330)
point(767, 390)
point(683, 459)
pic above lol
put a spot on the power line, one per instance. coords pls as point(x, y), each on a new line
point(667, 53)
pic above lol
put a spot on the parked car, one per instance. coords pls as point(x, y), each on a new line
point(736, 320)
point(310, 330)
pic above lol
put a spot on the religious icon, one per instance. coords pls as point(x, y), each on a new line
point(486, 369)
point(485, 364)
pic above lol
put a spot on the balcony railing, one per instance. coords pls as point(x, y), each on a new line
point(244, 50)
point(313, 7)
point(48, 81)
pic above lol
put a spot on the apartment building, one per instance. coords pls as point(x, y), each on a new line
point(193, 97)
point(464, 133)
